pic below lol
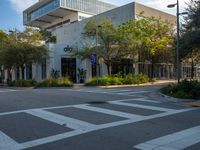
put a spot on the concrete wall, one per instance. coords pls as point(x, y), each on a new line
point(148, 11)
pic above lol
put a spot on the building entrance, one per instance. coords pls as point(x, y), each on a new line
point(68, 66)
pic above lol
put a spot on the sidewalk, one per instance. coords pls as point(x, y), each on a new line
point(158, 82)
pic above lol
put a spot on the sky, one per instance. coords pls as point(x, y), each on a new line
point(11, 10)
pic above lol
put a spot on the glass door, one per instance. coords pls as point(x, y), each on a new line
point(69, 68)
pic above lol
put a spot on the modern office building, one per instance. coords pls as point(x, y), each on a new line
point(66, 20)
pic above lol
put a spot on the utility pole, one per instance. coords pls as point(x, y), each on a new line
point(178, 38)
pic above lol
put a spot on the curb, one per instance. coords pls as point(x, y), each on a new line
point(135, 85)
point(177, 100)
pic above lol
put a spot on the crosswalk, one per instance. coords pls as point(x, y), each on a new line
point(83, 125)
point(127, 92)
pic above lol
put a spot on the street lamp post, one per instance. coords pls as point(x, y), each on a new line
point(178, 38)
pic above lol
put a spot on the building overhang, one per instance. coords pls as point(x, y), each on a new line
point(50, 18)
point(37, 5)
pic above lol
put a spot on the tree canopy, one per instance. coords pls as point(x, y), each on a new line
point(145, 39)
point(104, 37)
point(190, 36)
point(19, 49)
point(149, 38)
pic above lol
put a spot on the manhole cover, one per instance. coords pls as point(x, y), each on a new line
point(97, 102)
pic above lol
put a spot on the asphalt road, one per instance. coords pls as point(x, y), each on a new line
point(96, 119)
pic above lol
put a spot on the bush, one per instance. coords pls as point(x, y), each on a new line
point(22, 83)
point(135, 79)
point(185, 89)
point(60, 82)
point(119, 80)
point(105, 81)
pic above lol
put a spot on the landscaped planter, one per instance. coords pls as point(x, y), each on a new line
point(184, 90)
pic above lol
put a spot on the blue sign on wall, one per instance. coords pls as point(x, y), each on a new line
point(93, 59)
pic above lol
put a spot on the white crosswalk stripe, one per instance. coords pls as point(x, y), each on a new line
point(140, 99)
point(6, 143)
point(141, 106)
point(176, 141)
point(110, 91)
point(62, 120)
point(109, 112)
point(8, 90)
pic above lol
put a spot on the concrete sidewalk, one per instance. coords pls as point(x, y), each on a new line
point(158, 82)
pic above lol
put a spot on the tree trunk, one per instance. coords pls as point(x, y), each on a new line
point(192, 70)
point(21, 69)
point(109, 68)
point(9, 76)
point(152, 68)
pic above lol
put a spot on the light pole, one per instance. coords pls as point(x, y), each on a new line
point(178, 38)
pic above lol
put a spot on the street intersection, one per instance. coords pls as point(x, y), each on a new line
point(95, 119)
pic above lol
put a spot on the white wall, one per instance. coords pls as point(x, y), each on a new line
point(71, 35)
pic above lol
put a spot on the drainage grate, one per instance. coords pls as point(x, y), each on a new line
point(97, 102)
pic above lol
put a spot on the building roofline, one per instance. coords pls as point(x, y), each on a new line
point(155, 9)
point(37, 5)
point(41, 3)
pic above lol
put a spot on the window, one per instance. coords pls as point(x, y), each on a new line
point(44, 9)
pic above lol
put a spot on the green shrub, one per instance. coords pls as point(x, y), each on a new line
point(182, 94)
point(135, 79)
point(92, 82)
point(22, 83)
point(152, 80)
point(184, 89)
point(60, 82)
point(105, 81)
point(119, 80)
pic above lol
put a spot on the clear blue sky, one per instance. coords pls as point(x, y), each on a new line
point(11, 10)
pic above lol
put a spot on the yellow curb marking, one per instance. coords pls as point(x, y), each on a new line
point(195, 104)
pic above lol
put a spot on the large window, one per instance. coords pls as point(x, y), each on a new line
point(88, 6)
point(44, 9)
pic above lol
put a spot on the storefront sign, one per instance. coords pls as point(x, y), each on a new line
point(68, 49)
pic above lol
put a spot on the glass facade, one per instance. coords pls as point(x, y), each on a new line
point(44, 9)
point(86, 6)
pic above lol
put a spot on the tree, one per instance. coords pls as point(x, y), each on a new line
point(24, 50)
point(3, 36)
point(104, 39)
point(149, 38)
point(158, 41)
point(130, 35)
point(190, 36)
point(48, 37)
